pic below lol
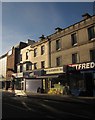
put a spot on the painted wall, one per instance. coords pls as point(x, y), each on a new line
point(3, 62)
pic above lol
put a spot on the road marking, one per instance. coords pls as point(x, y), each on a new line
point(45, 100)
point(16, 106)
point(61, 112)
point(26, 106)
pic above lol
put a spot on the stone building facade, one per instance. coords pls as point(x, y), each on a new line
point(74, 41)
point(71, 46)
point(75, 46)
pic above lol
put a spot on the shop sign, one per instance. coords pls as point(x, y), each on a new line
point(82, 66)
point(18, 75)
point(54, 70)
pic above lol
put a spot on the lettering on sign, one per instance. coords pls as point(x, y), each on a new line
point(82, 66)
point(54, 70)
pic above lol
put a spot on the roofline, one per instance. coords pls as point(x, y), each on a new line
point(39, 42)
point(72, 25)
point(5, 55)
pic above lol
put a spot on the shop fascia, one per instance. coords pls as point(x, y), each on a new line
point(54, 70)
point(82, 66)
point(23, 75)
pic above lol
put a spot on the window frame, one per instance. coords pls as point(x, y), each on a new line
point(35, 52)
point(35, 65)
point(42, 49)
point(91, 33)
point(27, 55)
point(58, 61)
point(18, 68)
point(92, 55)
point(42, 65)
point(24, 67)
point(58, 44)
point(20, 57)
point(74, 39)
point(21, 68)
point(75, 58)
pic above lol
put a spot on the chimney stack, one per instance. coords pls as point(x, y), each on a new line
point(58, 29)
point(86, 16)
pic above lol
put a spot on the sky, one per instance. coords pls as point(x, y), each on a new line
point(29, 20)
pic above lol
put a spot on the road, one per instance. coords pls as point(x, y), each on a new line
point(24, 107)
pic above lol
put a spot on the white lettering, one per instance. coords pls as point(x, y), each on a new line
point(79, 67)
point(76, 67)
point(83, 66)
point(92, 65)
point(87, 65)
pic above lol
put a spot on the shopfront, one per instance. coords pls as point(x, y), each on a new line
point(29, 81)
point(81, 77)
point(55, 80)
point(17, 78)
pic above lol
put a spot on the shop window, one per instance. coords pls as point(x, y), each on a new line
point(35, 52)
point(91, 33)
point(74, 39)
point(58, 61)
point(92, 55)
point(42, 50)
point(58, 44)
point(75, 58)
point(43, 64)
point(35, 65)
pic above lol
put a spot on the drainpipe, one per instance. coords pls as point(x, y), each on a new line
point(49, 52)
point(24, 84)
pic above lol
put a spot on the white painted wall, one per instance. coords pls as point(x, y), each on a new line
point(3, 62)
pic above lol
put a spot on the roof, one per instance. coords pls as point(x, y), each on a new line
point(72, 24)
point(3, 56)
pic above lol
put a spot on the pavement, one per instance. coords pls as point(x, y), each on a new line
point(60, 98)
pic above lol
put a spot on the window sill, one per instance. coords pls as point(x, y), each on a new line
point(75, 44)
point(58, 49)
point(92, 39)
point(42, 54)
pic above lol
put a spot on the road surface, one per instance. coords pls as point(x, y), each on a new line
point(24, 107)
